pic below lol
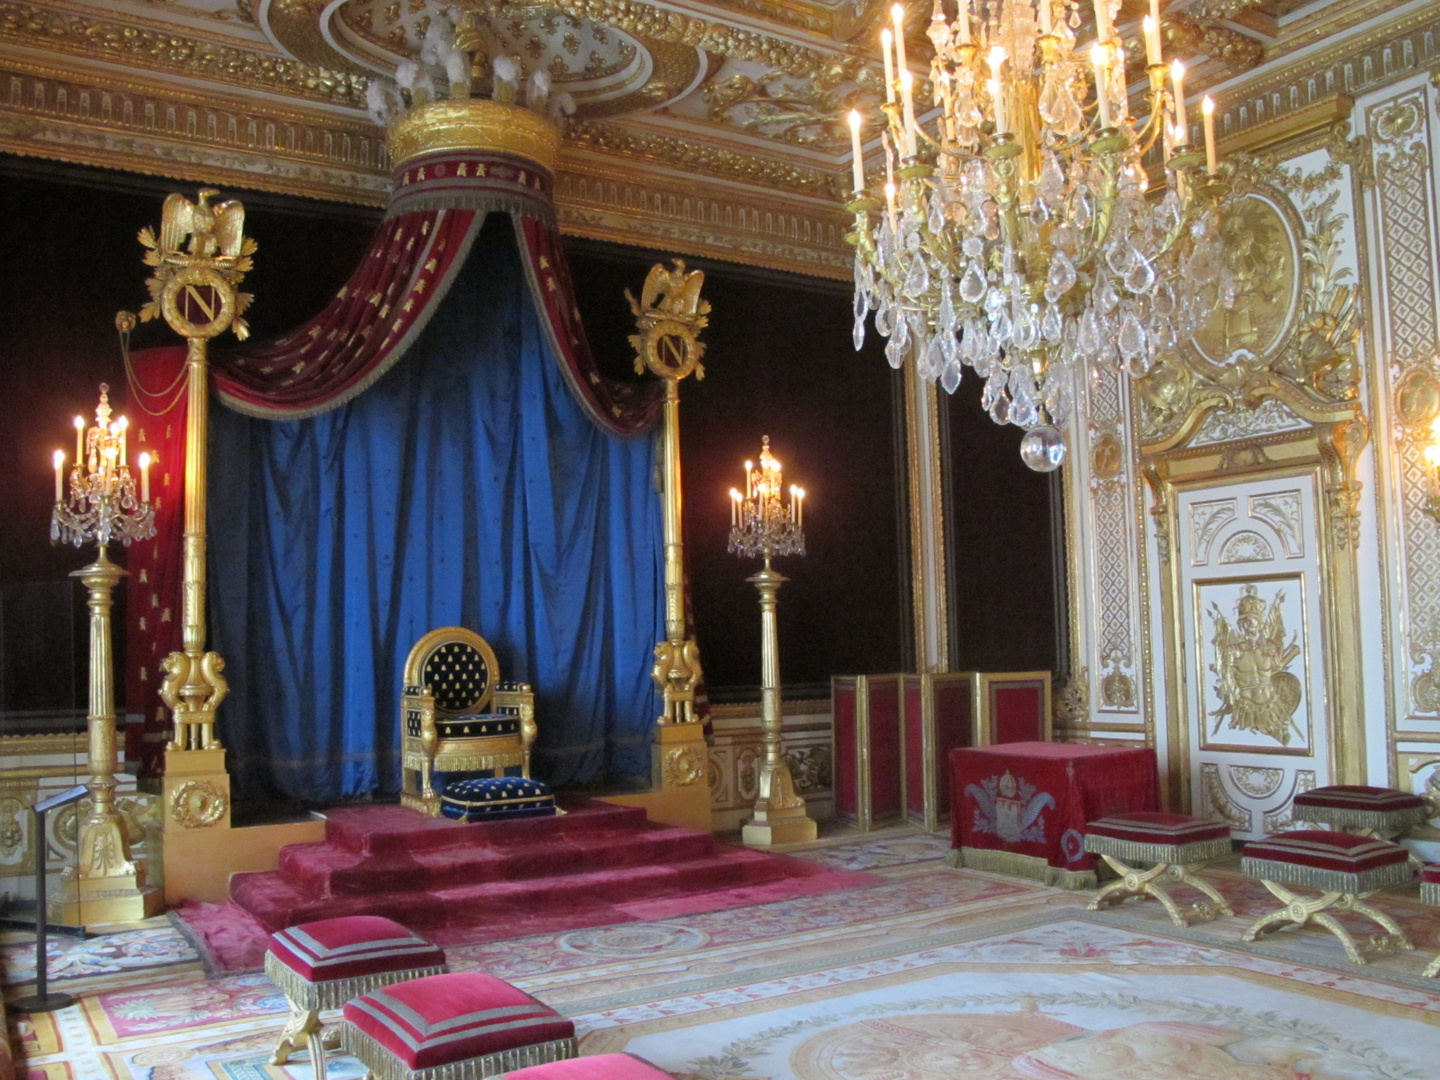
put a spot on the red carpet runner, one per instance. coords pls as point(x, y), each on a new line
point(598, 864)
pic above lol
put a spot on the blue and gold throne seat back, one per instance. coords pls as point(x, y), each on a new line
point(457, 717)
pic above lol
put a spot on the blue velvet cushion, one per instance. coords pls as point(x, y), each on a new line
point(486, 798)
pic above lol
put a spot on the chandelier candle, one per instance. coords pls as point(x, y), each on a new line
point(1015, 235)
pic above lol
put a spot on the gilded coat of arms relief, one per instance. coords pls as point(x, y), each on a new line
point(1258, 693)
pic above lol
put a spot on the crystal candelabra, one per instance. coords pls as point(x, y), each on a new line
point(1019, 238)
point(102, 507)
point(761, 525)
point(104, 504)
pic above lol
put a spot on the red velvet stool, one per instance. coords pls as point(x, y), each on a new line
point(1383, 813)
point(1176, 844)
point(322, 965)
point(594, 1067)
point(1430, 894)
point(460, 1026)
point(1345, 868)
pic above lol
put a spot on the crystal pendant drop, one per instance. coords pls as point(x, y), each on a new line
point(1062, 273)
point(895, 353)
point(936, 219)
point(884, 320)
point(972, 284)
point(1141, 276)
point(857, 335)
point(932, 360)
point(1105, 295)
point(950, 377)
point(917, 283)
point(1131, 340)
point(1050, 324)
point(945, 321)
point(1088, 341)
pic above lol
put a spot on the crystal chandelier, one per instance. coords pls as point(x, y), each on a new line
point(1019, 238)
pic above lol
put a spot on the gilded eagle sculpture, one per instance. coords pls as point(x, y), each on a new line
point(211, 230)
point(200, 256)
point(670, 316)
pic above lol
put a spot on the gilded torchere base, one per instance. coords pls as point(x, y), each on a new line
point(91, 901)
point(770, 827)
point(780, 813)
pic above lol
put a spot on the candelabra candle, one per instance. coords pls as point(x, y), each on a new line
point(102, 506)
point(760, 524)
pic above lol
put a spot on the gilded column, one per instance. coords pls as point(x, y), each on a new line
point(669, 317)
point(200, 257)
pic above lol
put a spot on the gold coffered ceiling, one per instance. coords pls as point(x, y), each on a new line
point(705, 126)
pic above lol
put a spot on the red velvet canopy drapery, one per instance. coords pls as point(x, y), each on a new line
point(438, 204)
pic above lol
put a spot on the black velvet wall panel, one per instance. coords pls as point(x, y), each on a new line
point(1003, 591)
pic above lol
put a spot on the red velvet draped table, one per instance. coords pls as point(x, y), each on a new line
point(1021, 808)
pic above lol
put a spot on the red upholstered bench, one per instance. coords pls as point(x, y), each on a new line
point(1176, 844)
point(1383, 813)
point(1344, 868)
point(594, 1067)
point(322, 965)
point(460, 1026)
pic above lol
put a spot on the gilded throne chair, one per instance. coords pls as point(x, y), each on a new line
point(457, 717)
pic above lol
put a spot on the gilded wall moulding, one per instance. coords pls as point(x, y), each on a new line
point(1284, 322)
point(1355, 64)
point(691, 219)
point(283, 150)
point(176, 54)
point(704, 158)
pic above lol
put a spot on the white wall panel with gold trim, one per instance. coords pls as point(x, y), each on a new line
point(1404, 276)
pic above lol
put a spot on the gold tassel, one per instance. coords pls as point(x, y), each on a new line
point(334, 993)
point(1197, 851)
point(1028, 866)
point(1378, 820)
point(1341, 881)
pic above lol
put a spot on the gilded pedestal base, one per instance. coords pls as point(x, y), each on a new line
point(1151, 882)
point(778, 827)
point(1298, 911)
point(90, 901)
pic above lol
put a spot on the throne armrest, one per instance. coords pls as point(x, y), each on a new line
point(518, 699)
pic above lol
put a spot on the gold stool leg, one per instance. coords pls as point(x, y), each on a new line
point(302, 1030)
point(1397, 937)
point(1300, 911)
point(1187, 874)
point(1134, 882)
point(1433, 968)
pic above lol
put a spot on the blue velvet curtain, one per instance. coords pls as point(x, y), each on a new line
point(466, 487)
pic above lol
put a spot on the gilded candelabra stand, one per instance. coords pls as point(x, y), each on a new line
point(761, 525)
point(103, 507)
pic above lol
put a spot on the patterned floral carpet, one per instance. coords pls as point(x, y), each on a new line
point(936, 973)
